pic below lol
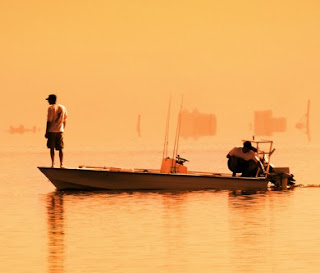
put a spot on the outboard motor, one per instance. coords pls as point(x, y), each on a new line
point(281, 177)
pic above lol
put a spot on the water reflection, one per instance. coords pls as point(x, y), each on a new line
point(176, 232)
point(247, 232)
point(157, 225)
point(253, 223)
point(55, 213)
point(106, 207)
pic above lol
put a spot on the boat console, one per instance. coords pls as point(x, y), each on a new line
point(170, 165)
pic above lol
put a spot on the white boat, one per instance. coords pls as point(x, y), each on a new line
point(95, 178)
point(172, 175)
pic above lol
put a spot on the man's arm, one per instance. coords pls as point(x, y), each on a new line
point(65, 118)
point(49, 119)
point(47, 129)
point(231, 153)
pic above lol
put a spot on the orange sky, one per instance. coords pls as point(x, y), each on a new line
point(109, 61)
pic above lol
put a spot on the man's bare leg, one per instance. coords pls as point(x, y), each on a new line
point(52, 157)
point(61, 158)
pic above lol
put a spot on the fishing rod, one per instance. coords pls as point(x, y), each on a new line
point(177, 137)
point(166, 136)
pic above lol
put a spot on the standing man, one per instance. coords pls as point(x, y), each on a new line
point(56, 123)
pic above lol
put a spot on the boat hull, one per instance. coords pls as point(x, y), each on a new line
point(93, 179)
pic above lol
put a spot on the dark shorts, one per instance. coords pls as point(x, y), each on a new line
point(238, 165)
point(55, 140)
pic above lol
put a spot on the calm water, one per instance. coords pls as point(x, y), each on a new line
point(200, 231)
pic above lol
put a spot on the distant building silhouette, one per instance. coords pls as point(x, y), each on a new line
point(195, 124)
point(22, 130)
point(266, 125)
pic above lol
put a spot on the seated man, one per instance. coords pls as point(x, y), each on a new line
point(243, 160)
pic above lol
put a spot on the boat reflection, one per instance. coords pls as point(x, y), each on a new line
point(122, 230)
point(55, 212)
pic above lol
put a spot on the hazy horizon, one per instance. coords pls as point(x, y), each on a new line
point(108, 62)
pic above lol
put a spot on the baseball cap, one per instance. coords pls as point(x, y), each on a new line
point(51, 97)
point(248, 145)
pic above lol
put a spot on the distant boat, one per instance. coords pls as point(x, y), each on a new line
point(265, 124)
point(304, 123)
point(22, 130)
